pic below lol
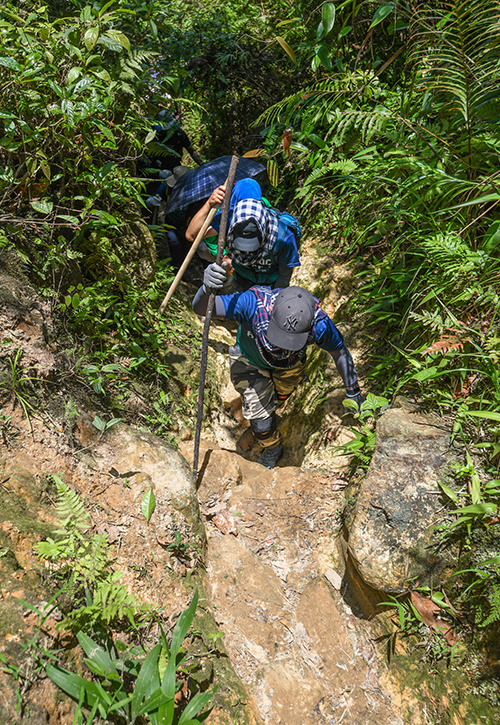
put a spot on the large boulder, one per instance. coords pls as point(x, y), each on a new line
point(390, 534)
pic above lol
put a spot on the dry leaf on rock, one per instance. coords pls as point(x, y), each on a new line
point(225, 522)
point(429, 610)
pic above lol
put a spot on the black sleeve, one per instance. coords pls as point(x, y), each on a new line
point(346, 369)
point(200, 302)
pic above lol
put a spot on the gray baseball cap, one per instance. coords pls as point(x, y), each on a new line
point(291, 319)
point(176, 174)
point(247, 237)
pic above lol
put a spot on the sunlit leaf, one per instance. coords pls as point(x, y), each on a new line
point(10, 63)
point(148, 504)
point(254, 153)
point(452, 495)
point(273, 173)
point(43, 207)
point(328, 16)
point(90, 37)
point(45, 167)
point(286, 47)
point(488, 414)
point(382, 12)
point(494, 561)
point(119, 38)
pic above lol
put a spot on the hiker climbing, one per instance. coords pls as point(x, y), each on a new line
point(262, 244)
point(268, 360)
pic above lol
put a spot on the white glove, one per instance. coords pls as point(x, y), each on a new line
point(214, 277)
point(165, 173)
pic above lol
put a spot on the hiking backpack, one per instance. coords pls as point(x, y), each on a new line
point(288, 221)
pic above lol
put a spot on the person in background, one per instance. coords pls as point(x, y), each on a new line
point(261, 249)
point(163, 156)
point(268, 360)
point(172, 137)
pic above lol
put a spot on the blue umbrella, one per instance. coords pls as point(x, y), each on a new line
point(199, 183)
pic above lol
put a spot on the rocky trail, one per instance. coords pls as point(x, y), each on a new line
point(288, 631)
point(262, 546)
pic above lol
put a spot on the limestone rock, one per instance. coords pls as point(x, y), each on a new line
point(146, 461)
point(391, 529)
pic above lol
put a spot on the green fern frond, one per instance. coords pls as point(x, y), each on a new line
point(110, 601)
point(432, 319)
point(69, 508)
point(343, 168)
point(457, 55)
point(494, 602)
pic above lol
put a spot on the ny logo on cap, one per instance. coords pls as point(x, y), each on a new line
point(291, 323)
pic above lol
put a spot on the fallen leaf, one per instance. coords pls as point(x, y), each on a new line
point(429, 610)
point(225, 522)
point(182, 694)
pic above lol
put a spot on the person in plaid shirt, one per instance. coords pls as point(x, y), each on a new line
point(262, 249)
point(268, 360)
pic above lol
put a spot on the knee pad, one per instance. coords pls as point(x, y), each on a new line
point(264, 427)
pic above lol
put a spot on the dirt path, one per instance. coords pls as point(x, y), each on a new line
point(287, 630)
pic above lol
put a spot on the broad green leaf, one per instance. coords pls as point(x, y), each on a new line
point(32, 165)
point(98, 423)
point(95, 652)
point(428, 374)
point(475, 487)
point(452, 495)
point(74, 73)
point(382, 12)
point(43, 207)
point(492, 486)
point(324, 56)
point(328, 16)
point(488, 414)
point(148, 504)
point(45, 167)
point(478, 509)
point(318, 141)
point(90, 37)
point(148, 680)
point(102, 74)
point(73, 685)
point(182, 626)
point(286, 47)
point(494, 561)
point(195, 705)
point(119, 38)
point(273, 173)
point(9, 62)
point(69, 218)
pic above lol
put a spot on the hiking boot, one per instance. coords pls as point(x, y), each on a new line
point(246, 440)
point(270, 456)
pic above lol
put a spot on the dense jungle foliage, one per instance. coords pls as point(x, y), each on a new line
point(379, 122)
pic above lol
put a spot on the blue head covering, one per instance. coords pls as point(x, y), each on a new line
point(243, 189)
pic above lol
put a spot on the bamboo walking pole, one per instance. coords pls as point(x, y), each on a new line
point(208, 313)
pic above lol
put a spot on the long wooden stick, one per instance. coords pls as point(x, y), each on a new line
point(189, 257)
point(208, 314)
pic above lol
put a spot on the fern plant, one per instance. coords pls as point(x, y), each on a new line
point(85, 564)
